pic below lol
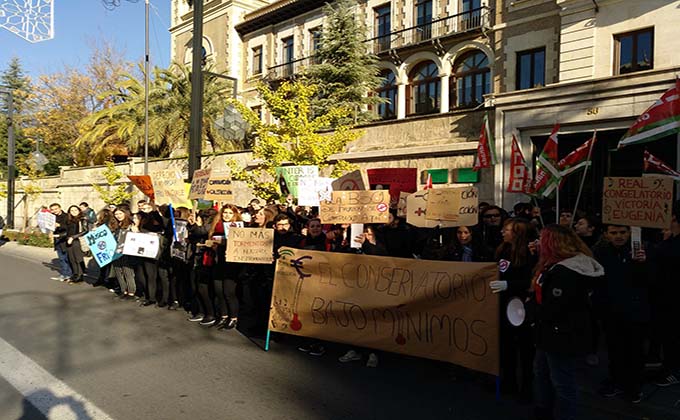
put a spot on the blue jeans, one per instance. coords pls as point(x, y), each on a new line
point(555, 379)
point(63, 263)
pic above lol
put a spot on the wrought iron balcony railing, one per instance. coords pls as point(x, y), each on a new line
point(449, 25)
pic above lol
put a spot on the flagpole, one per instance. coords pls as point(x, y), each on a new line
point(583, 178)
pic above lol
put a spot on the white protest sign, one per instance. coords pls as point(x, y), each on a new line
point(145, 245)
point(47, 221)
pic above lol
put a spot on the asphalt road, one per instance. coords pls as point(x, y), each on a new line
point(148, 363)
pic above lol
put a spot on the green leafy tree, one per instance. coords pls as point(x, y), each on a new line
point(298, 138)
point(345, 72)
point(169, 114)
point(114, 192)
point(15, 79)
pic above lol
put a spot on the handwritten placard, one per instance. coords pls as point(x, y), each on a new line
point(291, 175)
point(456, 205)
point(169, 187)
point(434, 309)
point(416, 211)
point(144, 184)
point(311, 191)
point(47, 221)
point(102, 244)
point(199, 183)
point(250, 245)
point(352, 181)
point(644, 201)
point(219, 187)
point(356, 207)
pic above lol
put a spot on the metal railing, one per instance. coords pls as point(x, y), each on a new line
point(449, 25)
point(462, 22)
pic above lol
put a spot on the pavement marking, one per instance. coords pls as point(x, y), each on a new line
point(53, 398)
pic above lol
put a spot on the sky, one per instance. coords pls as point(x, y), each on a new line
point(79, 23)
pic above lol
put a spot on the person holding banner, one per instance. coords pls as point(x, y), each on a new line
point(564, 275)
point(515, 267)
point(225, 273)
point(148, 221)
point(105, 217)
point(123, 267)
point(74, 230)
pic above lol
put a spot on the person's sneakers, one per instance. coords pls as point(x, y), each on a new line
point(671, 379)
point(610, 391)
point(350, 356)
point(592, 360)
point(317, 350)
point(306, 348)
point(653, 363)
point(208, 322)
point(59, 278)
point(635, 398)
point(196, 318)
point(372, 361)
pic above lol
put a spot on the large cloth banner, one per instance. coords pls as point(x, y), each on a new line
point(250, 245)
point(102, 244)
point(644, 201)
point(433, 309)
point(356, 207)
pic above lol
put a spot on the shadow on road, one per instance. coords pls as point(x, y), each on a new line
point(47, 401)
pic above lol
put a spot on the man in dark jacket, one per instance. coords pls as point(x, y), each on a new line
point(60, 236)
point(668, 255)
point(622, 297)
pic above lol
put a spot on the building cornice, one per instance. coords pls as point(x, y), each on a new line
point(277, 12)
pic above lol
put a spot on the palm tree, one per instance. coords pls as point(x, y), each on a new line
point(169, 114)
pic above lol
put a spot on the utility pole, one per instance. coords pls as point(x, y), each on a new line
point(11, 147)
point(146, 89)
point(195, 123)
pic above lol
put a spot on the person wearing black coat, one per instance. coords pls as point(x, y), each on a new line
point(59, 237)
point(564, 277)
point(623, 297)
point(74, 230)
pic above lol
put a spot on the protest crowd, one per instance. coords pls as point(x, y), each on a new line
point(584, 284)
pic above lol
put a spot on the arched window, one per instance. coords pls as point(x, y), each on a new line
point(387, 91)
point(425, 88)
point(472, 79)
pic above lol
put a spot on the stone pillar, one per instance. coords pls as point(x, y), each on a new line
point(401, 101)
point(444, 94)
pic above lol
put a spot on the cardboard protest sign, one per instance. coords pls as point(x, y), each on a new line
point(288, 177)
point(144, 184)
point(416, 211)
point(47, 221)
point(180, 243)
point(199, 183)
point(401, 205)
point(352, 181)
point(456, 205)
point(102, 244)
point(219, 187)
point(313, 190)
point(169, 187)
point(137, 244)
point(394, 180)
point(433, 309)
point(644, 201)
point(356, 207)
point(250, 245)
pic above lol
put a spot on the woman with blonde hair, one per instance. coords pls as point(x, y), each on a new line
point(564, 275)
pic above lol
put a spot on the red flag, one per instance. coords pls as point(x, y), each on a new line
point(519, 172)
point(486, 149)
point(428, 183)
point(577, 159)
point(660, 120)
point(654, 164)
point(547, 173)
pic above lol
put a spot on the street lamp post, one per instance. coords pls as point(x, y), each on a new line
point(11, 146)
point(196, 120)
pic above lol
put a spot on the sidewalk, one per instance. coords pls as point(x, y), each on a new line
point(658, 403)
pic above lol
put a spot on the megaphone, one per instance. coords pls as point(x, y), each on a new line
point(516, 312)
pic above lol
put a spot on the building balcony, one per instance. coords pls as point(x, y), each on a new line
point(475, 19)
point(289, 69)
